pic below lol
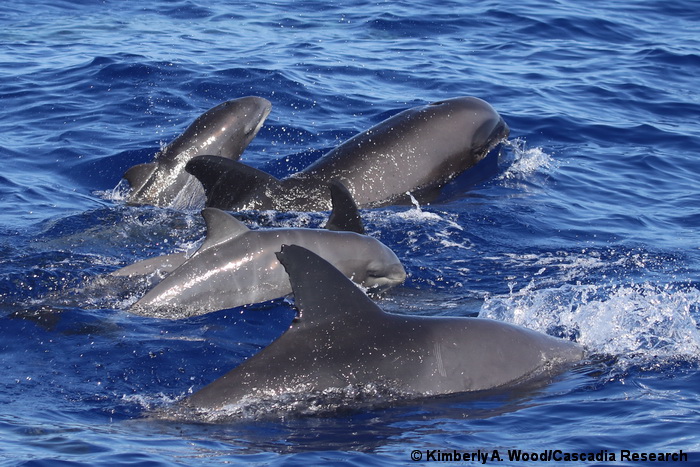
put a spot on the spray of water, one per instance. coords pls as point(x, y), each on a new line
point(636, 323)
point(525, 161)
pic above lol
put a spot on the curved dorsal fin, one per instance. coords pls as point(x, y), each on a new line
point(226, 182)
point(345, 216)
point(221, 227)
point(208, 170)
point(322, 294)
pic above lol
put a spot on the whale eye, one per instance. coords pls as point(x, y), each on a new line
point(436, 103)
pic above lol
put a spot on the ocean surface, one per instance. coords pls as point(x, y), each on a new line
point(587, 228)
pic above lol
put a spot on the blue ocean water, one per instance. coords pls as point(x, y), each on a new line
point(588, 230)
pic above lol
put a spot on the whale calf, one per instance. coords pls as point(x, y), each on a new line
point(237, 266)
point(225, 131)
point(417, 150)
point(342, 339)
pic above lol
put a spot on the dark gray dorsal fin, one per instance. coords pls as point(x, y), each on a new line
point(322, 294)
point(226, 181)
point(345, 216)
point(208, 170)
point(139, 174)
point(221, 227)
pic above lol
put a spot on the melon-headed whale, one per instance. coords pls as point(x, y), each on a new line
point(342, 339)
point(417, 151)
point(237, 266)
point(225, 131)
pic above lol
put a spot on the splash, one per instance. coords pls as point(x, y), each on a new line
point(444, 231)
point(526, 161)
point(418, 214)
point(149, 402)
point(414, 201)
point(636, 323)
point(191, 196)
point(295, 402)
point(118, 194)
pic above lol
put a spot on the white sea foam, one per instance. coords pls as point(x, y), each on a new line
point(526, 161)
point(149, 401)
point(118, 194)
point(444, 232)
point(300, 400)
point(635, 322)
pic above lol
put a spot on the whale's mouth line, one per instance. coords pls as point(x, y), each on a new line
point(502, 130)
point(499, 135)
point(266, 111)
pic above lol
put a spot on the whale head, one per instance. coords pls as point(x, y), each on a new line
point(225, 130)
point(367, 261)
